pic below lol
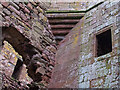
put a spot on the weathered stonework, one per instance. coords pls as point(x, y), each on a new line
point(27, 29)
point(77, 64)
point(102, 71)
point(65, 74)
point(8, 62)
point(57, 5)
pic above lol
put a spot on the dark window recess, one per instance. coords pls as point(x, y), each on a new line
point(18, 69)
point(104, 43)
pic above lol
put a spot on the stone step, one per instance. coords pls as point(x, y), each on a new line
point(62, 31)
point(59, 37)
point(65, 15)
point(63, 21)
point(62, 26)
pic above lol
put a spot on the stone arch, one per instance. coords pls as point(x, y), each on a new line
point(22, 45)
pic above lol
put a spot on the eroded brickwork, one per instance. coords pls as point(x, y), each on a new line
point(25, 26)
point(8, 62)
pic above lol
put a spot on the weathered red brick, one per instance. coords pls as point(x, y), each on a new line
point(22, 15)
point(33, 3)
point(35, 11)
point(45, 78)
point(30, 6)
point(5, 3)
point(6, 11)
point(26, 10)
point(45, 57)
point(14, 9)
point(40, 70)
point(7, 18)
point(15, 5)
point(22, 5)
point(48, 74)
point(52, 63)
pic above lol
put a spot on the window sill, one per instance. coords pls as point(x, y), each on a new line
point(103, 57)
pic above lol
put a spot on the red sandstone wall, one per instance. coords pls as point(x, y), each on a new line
point(65, 73)
point(25, 26)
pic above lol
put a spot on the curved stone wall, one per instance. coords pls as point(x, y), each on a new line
point(77, 66)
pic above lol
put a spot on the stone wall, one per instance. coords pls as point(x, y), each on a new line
point(76, 62)
point(67, 5)
point(25, 26)
point(70, 5)
point(102, 71)
point(8, 61)
point(65, 74)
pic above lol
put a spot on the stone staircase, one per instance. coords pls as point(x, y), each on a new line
point(62, 23)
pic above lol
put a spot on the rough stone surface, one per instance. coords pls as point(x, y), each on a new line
point(27, 29)
point(10, 83)
point(65, 73)
point(77, 52)
point(102, 71)
point(57, 5)
point(8, 61)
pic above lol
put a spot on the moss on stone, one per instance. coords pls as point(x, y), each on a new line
point(108, 66)
point(65, 11)
point(73, 11)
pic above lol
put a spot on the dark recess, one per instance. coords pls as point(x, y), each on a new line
point(17, 70)
point(104, 43)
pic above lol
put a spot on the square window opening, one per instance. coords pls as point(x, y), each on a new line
point(103, 43)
